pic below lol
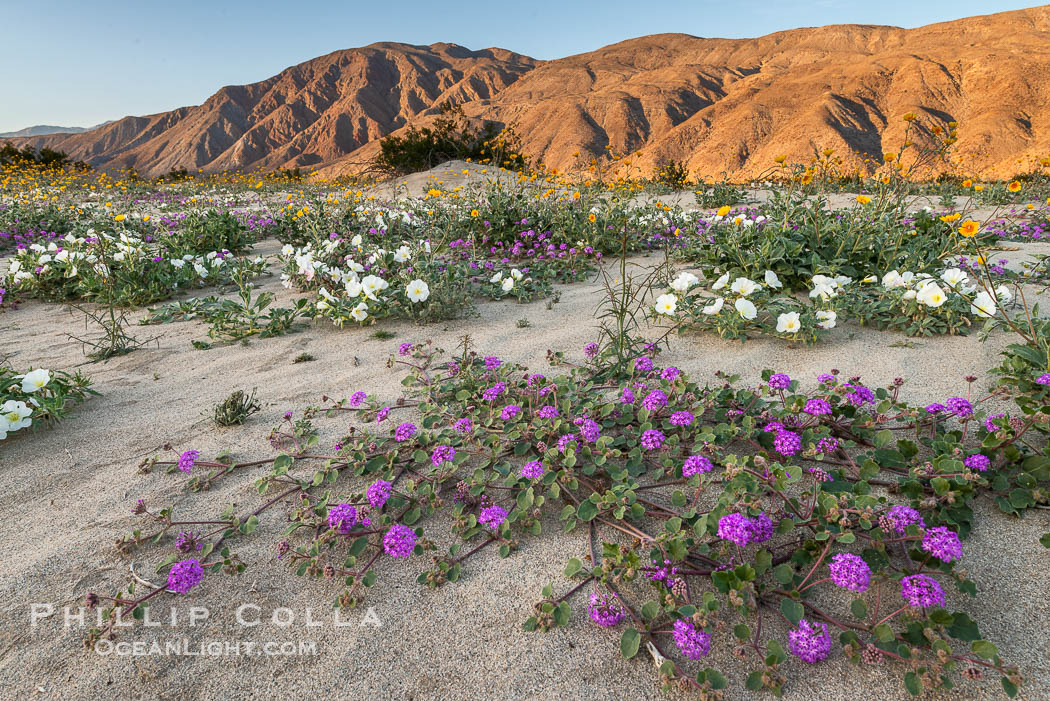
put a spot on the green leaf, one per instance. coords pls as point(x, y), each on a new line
point(742, 632)
point(716, 678)
point(629, 642)
point(984, 648)
point(859, 608)
point(754, 680)
point(883, 632)
point(784, 574)
point(651, 610)
point(1009, 687)
point(587, 511)
point(792, 610)
point(912, 684)
point(573, 566)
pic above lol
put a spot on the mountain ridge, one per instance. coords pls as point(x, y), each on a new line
point(717, 105)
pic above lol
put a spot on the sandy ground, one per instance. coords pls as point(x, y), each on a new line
point(71, 490)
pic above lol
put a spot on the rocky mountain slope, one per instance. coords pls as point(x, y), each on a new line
point(717, 105)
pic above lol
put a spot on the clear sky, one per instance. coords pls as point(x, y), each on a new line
point(81, 62)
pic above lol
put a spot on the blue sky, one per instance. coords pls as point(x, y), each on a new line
point(77, 63)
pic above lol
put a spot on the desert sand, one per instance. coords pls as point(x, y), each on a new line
point(71, 490)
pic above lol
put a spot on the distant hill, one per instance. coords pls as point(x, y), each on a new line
point(47, 129)
point(718, 105)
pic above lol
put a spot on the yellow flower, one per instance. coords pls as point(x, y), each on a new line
point(780, 159)
point(885, 180)
point(119, 217)
point(591, 217)
point(473, 212)
point(863, 199)
point(1014, 186)
point(723, 210)
point(969, 228)
point(909, 116)
point(967, 183)
point(889, 157)
point(978, 188)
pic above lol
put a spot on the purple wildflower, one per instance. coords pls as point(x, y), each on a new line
point(378, 493)
point(850, 571)
point(670, 374)
point(682, 418)
point(695, 465)
point(464, 426)
point(818, 407)
point(735, 528)
point(493, 392)
point(404, 431)
point(900, 517)
point(761, 528)
point(779, 381)
point(826, 379)
point(921, 590)
point(532, 470)
point(960, 407)
point(356, 398)
point(399, 541)
point(654, 400)
point(810, 642)
point(627, 397)
point(605, 610)
point(652, 439)
point(591, 350)
point(188, 541)
point(787, 443)
point(1043, 379)
point(977, 462)
point(404, 349)
point(935, 408)
point(692, 643)
point(442, 454)
point(989, 423)
point(342, 517)
point(510, 411)
point(493, 516)
point(185, 575)
point(643, 364)
point(547, 412)
point(942, 543)
point(859, 395)
point(492, 362)
point(382, 414)
point(188, 459)
point(827, 444)
point(590, 430)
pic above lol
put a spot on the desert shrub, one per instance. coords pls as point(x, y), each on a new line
point(47, 157)
point(202, 232)
point(672, 175)
point(451, 137)
point(718, 194)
